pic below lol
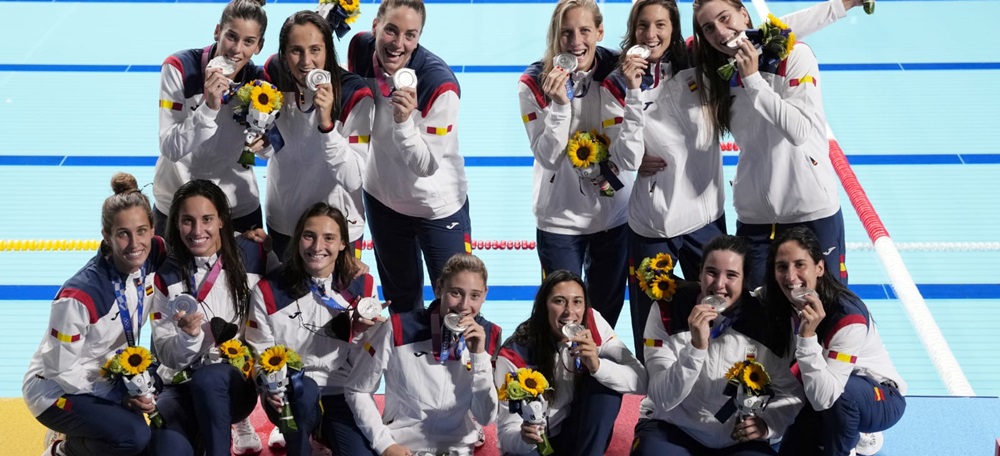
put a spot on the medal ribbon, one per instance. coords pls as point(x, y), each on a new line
point(383, 86)
point(326, 300)
point(209, 282)
point(123, 313)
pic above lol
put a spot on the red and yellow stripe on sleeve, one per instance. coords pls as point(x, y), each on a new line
point(64, 337)
point(843, 357)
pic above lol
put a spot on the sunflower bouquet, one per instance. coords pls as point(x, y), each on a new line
point(273, 377)
point(523, 390)
point(655, 277)
point(131, 367)
point(236, 354)
point(340, 14)
point(588, 152)
point(750, 387)
point(258, 104)
point(774, 39)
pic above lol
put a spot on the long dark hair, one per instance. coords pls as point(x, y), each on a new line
point(536, 334)
point(285, 81)
point(293, 273)
point(715, 93)
point(677, 53)
point(229, 252)
point(778, 307)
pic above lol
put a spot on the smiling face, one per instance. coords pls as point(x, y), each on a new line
point(129, 239)
point(199, 225)
point(397, 34)
point(654, 29)
point(320, 245)
point(722, 275)
point(566, 304)
point(306, 51)
point(794, 267)
point(238, 40)
point(579, 36)
point(721, 22)
point(464, 294)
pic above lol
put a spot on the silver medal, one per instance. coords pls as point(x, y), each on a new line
point(572, 329)
point(228, 66)
point(369, 308)
point(565, 61)
point(735, 42)
point(316, 77)
point(640, 50)
point(451, 322)
point(404, 78)
point(799, 294)
point(183, 302)
point(717, 302)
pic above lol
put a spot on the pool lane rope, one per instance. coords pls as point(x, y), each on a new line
point(899, 277)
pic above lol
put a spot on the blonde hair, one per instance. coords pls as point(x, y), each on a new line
point(556, 24)
point(458, 263)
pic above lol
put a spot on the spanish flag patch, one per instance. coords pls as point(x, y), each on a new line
point(439, 130)
point(358, 139)
point(529, 117)
point(173, 106)
point(64, 404)
point(652, 342)
point(64, 337)
point(807, 79)
point(842, 357)
point(610, 122)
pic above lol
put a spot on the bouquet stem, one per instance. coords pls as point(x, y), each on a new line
point(155, 419)
point(286, 422)
point(247, 158)
point(545, 448)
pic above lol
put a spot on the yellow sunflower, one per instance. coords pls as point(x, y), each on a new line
point(734, 371)
point(135, 360)
point(231, 348)
point(791, 42)
point(663, 287)
point(265, 98)
point(248, 368)
point(533, 382)
point(582, 152)
point(643, 285)
point(502, 392)
point(274, 358)
point(663, 262)
point(776, 22)
point(755, 377)
point(349, 6)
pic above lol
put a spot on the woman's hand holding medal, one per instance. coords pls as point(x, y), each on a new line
point(475, 335)
point(586, 350)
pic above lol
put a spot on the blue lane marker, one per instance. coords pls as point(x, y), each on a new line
point(527, 292)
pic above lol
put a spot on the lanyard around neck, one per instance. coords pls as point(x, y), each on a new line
point(209, 282)
point(126, 318)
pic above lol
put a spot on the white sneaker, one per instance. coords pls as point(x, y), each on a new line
point(482, 436)
point(276, 439)
point(245, 439)
point(870, 443)
point(54, 449)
